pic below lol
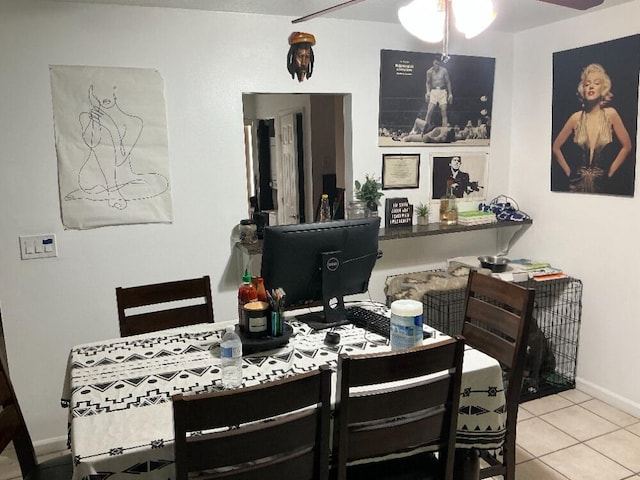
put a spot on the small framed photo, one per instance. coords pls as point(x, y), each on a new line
point(400, 171)
point(466, 172)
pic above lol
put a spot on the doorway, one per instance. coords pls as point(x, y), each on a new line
point(316, 137)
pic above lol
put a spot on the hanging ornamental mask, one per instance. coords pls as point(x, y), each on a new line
point(300, 57)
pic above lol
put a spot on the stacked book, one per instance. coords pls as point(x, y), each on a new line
point(476, 217)
point(538, 271)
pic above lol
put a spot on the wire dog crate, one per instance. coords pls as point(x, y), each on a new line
point(553, 340)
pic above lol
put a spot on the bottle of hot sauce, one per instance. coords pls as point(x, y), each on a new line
point(246, 293)
point(262, 292)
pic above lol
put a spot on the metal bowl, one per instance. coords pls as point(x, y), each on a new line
point(494, 263)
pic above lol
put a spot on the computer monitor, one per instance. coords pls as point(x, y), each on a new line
point(321, 262)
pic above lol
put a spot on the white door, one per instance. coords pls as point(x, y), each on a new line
point(288, 171)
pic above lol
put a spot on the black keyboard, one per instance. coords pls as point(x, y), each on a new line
point(372, 321)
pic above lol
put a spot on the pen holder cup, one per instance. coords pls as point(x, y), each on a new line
point(276, 323)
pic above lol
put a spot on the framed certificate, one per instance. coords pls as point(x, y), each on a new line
point(400, 171)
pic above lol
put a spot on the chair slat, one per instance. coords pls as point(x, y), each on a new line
point(163, 319)
point(220, 409)
point(490, 343)
point(164, 292)
point(503, 293)
point(239, 446)
point(287, 467)
point(387, 367)
point(398, 402)
point(507, 323)
point(396, 438)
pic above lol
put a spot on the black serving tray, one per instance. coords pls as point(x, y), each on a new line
point(253, 345)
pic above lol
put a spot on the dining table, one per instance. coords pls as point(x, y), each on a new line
point(118, 391)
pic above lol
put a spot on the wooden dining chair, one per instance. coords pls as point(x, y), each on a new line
point(497, 319)
point(376, 418)
point(13, 428)
point(160, 310)
point(272, 431)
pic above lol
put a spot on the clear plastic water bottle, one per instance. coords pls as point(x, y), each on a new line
point(231, 355)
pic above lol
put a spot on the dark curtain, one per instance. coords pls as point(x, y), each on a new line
point(265, 194)
point(300, 151)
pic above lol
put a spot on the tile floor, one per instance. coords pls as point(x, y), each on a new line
point(9, 469)
point(566, 436)
point(572, 436)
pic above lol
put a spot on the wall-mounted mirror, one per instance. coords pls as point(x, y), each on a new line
point(297, 147)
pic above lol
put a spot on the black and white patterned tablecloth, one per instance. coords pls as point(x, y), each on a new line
point(119, 392)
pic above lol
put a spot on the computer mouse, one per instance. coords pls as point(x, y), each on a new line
point(332, 338)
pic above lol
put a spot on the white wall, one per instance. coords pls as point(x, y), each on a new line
point(207, 61)
point(593, 237)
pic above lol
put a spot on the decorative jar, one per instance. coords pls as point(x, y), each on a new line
point(358, 209)
point(248, 232)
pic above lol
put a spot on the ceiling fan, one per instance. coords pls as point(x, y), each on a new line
point(576, 4)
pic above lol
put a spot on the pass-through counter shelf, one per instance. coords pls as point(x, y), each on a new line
point(249, 254)
point(394, 233)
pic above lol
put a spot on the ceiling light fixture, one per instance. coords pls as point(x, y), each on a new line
point(429, 19)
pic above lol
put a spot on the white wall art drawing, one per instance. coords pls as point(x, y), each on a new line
point(111, 143)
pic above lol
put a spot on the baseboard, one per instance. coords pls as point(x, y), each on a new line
point(50, 445)
point(613, 399)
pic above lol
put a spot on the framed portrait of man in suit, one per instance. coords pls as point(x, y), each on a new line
point(465, 172)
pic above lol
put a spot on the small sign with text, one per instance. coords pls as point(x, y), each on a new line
point(398, 212)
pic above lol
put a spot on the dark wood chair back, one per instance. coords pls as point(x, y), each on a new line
point(275, 430)
point(13, 429)
point(161, 313)
point(496, 321)
point(388, 419)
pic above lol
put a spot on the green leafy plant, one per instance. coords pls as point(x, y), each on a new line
point(369, 190)
point(422, 210)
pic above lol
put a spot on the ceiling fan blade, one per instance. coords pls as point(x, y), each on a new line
point(326, 10)
point(577, 4)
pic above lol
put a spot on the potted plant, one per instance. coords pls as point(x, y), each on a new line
point(422, 212)
point(369, 191)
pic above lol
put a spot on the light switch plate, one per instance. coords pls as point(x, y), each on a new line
point(38, 246)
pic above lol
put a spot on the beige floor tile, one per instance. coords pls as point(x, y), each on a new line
point(9, 467)
point(621, 446)
point(579, 422)
point(524, 414)
point(548, 404)
point(539, 438)
point(635, 428)
point(583, 463)
point(612, 414)
point(522, 455)
point(537, 470)
point(575, 395)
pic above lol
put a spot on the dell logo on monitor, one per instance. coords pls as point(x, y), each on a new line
point(333, 264)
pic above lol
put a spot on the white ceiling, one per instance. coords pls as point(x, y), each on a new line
point(513, 15)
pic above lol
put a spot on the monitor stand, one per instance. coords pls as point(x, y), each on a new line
point(333, 311)
point(318, 320)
